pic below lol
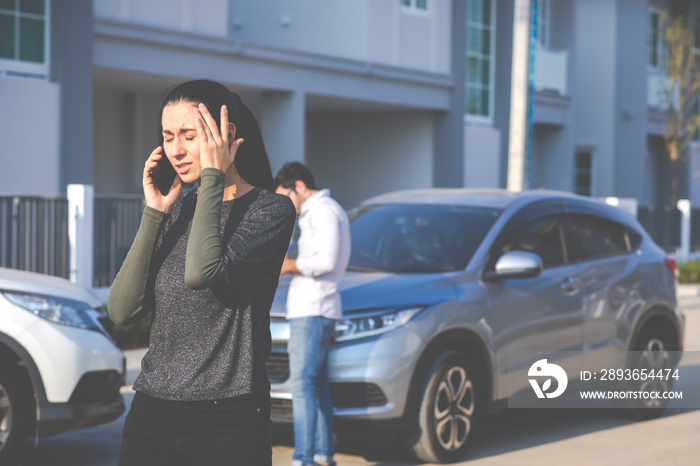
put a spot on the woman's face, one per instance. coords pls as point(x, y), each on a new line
point(180, 139)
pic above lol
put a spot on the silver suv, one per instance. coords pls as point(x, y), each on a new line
point(444, 284)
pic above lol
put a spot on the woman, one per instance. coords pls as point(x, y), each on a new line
point(207, 263)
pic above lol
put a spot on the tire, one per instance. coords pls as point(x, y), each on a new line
point(11, 416)
point(651, 351)
point(444, 419)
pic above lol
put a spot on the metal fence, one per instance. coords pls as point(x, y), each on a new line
point(117, 220)
point(34, 234)
point(663, 224)
point(695, 230)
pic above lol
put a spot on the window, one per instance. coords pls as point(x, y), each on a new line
point(634, 238)
point(416, 238)
point(542, 237)
point(24, 36)
point(543, 22)
point(583, 173)
point(597, 237)
point(479, 59)
point(419, 5)
point(655, 39)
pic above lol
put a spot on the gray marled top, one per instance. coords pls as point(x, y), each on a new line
point(211, 270)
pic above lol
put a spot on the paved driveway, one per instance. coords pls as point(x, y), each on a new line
point(514, 437)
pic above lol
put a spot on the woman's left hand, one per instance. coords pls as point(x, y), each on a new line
point(217, 147)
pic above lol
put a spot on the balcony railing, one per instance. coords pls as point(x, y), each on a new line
point(657, 90)
point(552, 70)
point(180, 15)
point(34, 234)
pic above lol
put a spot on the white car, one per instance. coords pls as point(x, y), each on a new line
point(59, 369)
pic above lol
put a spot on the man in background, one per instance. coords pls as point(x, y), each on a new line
point(313, 308)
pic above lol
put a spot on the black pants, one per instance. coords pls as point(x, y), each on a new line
point(232, 431)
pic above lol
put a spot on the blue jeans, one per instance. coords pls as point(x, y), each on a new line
point(311, 397)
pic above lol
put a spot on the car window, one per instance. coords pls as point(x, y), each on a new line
point(597, 237)
point(414, 238)
point(635, 238)
point(542, 237)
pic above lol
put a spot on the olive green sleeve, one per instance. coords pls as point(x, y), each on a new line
point(130, 297)
point(203, 264)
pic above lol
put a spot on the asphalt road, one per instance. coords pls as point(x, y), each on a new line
point(514, 437)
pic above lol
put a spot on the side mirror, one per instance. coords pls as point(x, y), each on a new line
point(516, 264)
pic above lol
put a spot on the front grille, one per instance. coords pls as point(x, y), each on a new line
point(277, 366)
point(357, 395)
point(345, 395)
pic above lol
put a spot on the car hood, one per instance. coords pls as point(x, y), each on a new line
point(361, 291)
point(36, 283)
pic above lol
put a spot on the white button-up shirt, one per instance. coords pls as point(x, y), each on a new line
point(324, 253)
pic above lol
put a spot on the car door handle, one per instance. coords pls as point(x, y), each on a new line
point(570, 285)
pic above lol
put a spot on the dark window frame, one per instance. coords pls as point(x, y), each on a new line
point(577, 254)
point(524, 218)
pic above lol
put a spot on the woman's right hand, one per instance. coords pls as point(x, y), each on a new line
point(154, 198)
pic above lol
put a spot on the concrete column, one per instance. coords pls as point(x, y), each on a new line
point(71, 68)
point(283, 125)
point(517, 175)
point(146, 129)
point(81, 209)
point(449, 150)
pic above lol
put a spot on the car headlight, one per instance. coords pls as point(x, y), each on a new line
point(58, 310)
point(373, 323)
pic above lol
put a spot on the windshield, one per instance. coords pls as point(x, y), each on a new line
point(416, 238)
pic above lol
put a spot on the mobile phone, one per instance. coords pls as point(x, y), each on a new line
point(163, 174)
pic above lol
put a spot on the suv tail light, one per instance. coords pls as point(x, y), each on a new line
point(671, 264)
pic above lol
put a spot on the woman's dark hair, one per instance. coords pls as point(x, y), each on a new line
point(293, 171)
point(252, 162)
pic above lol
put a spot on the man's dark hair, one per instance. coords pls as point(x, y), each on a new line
point(291, 172)
point(251, 161)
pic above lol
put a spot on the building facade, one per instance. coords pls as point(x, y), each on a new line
point(373, 95)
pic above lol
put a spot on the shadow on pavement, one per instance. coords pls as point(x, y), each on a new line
point(520, 429)
point(508, 431)
point(513, 430)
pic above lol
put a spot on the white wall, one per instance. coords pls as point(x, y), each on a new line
point(320, 26)
point(552, 159)
point(29, 131)
point(208, 17)
point(423, 39)
point(482, 148)
point(378, 31)
point(358, 155)
point(594, 87)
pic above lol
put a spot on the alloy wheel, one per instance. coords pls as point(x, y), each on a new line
point(654, 357)
point(453, 408)
point(5, 417)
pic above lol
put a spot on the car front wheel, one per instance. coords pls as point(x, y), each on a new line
point(445, 416)
point(10, 416)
